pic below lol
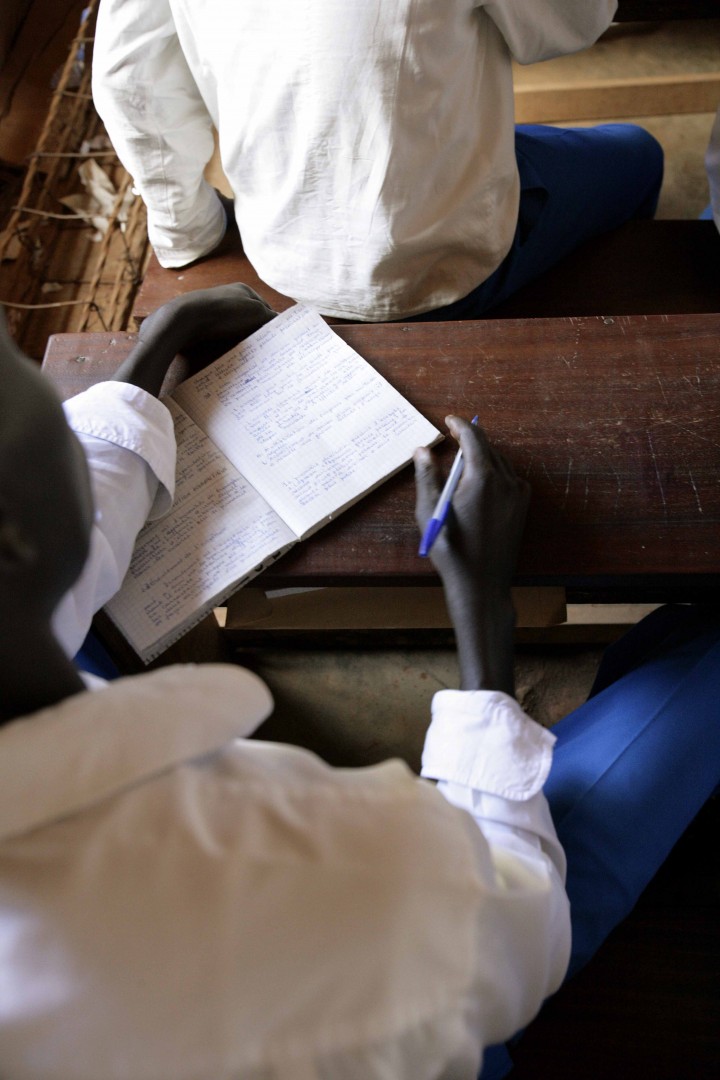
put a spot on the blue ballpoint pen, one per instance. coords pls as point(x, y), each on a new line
point(442, 507)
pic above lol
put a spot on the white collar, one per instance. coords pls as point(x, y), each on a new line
point(94, 744)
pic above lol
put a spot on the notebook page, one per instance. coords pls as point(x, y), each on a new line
point(311, 424)
point(218, 534)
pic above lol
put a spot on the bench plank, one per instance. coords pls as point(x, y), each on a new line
point(597, 99)
point(641, 268)
point(662, 267)
point(660, 10)
point(159, 285)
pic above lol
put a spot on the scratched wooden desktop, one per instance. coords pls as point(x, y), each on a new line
point(615, 421)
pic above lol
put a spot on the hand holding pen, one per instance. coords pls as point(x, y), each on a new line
point(474, 549)
point(489, 501)
point(442, 506)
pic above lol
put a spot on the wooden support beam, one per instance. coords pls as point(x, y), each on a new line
point(598, 99)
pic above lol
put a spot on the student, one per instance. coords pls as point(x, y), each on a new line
point(371, 149)
point(177, 900)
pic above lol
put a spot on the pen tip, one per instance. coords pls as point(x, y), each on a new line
point(432, 528)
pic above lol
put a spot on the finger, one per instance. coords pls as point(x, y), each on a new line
point(503, 465)
point(474, 443)
point(240, 288)
point(507, 473)
point(427, 485)
point(478, 449)
point(238, 293)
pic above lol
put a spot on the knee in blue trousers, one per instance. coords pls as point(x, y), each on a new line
point(632, 768)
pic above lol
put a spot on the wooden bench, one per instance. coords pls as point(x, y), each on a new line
point(548, 93)
point(615, 421)
point(160, 285)
point(642, 268)
point(660, 267)
point(660, 10)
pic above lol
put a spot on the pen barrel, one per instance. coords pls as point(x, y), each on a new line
point(451, 483)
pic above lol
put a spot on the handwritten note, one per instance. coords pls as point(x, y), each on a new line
point(276, 437)
point(309, 422)
point(219, 532)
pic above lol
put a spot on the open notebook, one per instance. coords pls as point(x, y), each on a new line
point(276, 438)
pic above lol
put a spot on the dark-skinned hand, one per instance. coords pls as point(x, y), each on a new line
point(202, 325)
point(476, 552)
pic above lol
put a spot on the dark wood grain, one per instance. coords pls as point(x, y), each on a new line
point(658, 267)
point(660, 10)
point(615, 422)
point(233, 265)
point(641, 268)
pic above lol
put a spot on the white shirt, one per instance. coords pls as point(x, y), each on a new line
point(369, 143)
point(177, 901)
point(129, 443)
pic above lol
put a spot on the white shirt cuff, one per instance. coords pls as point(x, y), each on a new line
point(110, 411)
point(204, 224)
point(483, 740)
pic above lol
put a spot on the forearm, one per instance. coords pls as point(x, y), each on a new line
point(159, 126)
point(161, 337)
point(476, 554)
point(210, 320)
point(145, 367)
point(484, 632)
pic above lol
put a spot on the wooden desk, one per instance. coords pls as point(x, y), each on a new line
point(614, 421)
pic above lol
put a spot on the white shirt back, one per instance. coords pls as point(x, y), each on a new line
point(369, 143)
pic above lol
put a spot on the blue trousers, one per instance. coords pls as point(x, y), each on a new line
point(94, 658)
point(632, 767)
point(575, 183)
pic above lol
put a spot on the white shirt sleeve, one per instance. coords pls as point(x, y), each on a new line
point(412, 937)
point(492, 760)
point(541, 29)
point(129, 443)
point(159, 125)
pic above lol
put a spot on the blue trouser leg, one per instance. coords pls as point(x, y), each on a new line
point(634, 765)
point(632, 768)
point(575, 183)
point(94, 658)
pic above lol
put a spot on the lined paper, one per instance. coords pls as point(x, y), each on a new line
point(274, 439)
point(219, 532)
point(305, 418)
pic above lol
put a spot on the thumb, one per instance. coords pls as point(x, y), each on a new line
point(427, 486)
